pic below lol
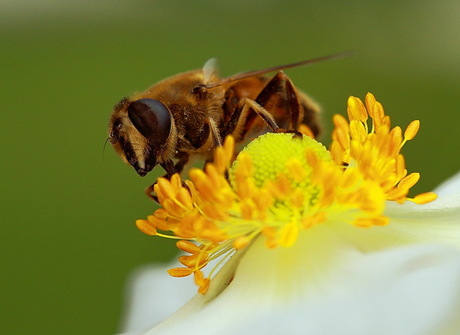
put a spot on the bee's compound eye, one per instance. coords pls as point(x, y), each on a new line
point(151, 118)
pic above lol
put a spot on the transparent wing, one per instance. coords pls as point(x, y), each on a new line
point(210, 70)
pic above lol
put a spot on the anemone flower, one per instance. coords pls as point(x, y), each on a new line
point(305, 240)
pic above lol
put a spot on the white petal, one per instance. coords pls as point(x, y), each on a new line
point(154, 295)
point(322, 285)
point(450, 186)
point(438, 221)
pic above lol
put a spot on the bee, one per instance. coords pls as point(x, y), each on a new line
point(187, 115)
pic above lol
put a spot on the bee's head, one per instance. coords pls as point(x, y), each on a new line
point(141, 133)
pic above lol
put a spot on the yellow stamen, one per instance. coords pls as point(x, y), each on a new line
point(425, 198)
point(412, 130)
point(180, 272)
point(304, 129)
point(356, 110)
point(201, 282)
point(241, 242)
point(188, 246)
point(288, 234)
point(146, 227)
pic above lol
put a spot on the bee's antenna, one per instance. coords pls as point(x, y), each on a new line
point(248, 74)
point(103, 149)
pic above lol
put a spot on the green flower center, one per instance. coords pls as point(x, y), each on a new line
point(273, 154)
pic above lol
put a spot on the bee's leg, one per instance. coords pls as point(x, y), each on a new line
point(279, 96)
point(170, 169)
point(215, 133)
point(238, 128)
point(237, 125)
point(216, 139)
point(277, 101)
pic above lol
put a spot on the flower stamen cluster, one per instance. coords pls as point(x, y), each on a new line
point(376, 152)
point(281, 185)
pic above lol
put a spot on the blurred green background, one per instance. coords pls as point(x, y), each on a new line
point(68, 210)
